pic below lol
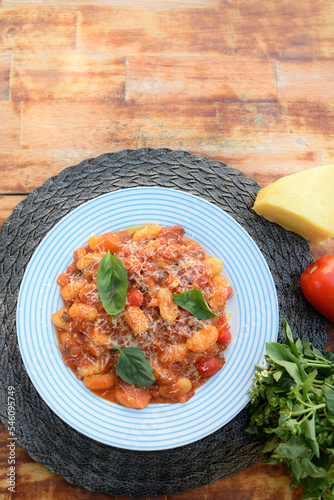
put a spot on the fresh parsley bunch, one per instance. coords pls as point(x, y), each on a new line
point(292, 406)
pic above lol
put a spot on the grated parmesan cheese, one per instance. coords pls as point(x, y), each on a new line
point(149, 264)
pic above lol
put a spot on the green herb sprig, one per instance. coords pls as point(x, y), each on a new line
point(112, 284)
point(194, 302)
point(292, 407)
point(133, 367)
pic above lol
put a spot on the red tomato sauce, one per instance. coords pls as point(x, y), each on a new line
point(184, 351)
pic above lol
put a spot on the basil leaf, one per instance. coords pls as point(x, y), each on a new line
point(277, 375)
point(329, 398)
point(289, 338)
point(315, 485)
point(194, 302)
point(299, 345)
point(307, 427)
point(270, 389)
point(291, 424)
point(295, 447)
point(270, 445)
point(317, 353)
point(312, 470)
point(329, 356)
point(112, 284)
point(253, 429)
point(307, 350)
point(308, 382)
point(283, 357)
point(297, 470)
point(331, 421)
point(133, 367)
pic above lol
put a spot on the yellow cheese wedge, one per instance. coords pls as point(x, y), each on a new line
point(302, 202)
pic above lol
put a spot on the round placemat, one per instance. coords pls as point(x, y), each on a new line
point(64, 451)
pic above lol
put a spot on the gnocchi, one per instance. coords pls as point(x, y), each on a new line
point(182, 349)
point(168, 309)
point(203, 339)
point(137, 320)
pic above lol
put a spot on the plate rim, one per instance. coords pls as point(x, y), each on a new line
point(105, 195)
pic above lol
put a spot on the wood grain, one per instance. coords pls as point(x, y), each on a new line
point(136, 31)
point(211, 128)
point(9, 125)
point(283, 30)
point(159, 5)
point(68, 78)
point(327, 157)
point(101, 126)
point(310, 80)
point(33, 31)
point(209, 79)
point(294, 127)
point(4, 77)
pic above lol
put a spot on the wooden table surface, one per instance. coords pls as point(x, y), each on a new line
point(247, 82)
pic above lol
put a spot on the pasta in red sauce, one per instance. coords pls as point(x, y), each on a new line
point(184, 351)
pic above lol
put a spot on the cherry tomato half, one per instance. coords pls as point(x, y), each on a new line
point(208, 366)
point(224, 334)
point(317, 284)
point(134, 298)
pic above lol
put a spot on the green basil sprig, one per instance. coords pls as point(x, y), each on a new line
point(112, 284)
point(133, 367)
point(292, 408)
point(194, 302)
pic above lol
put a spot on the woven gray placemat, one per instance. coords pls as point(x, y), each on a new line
point(81, 460)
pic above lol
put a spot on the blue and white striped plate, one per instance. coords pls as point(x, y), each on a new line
point(254, 320)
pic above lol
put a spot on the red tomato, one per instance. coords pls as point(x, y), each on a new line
point(208, 366)
point(134, 298)
point(224, 334)
point(317, 284)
